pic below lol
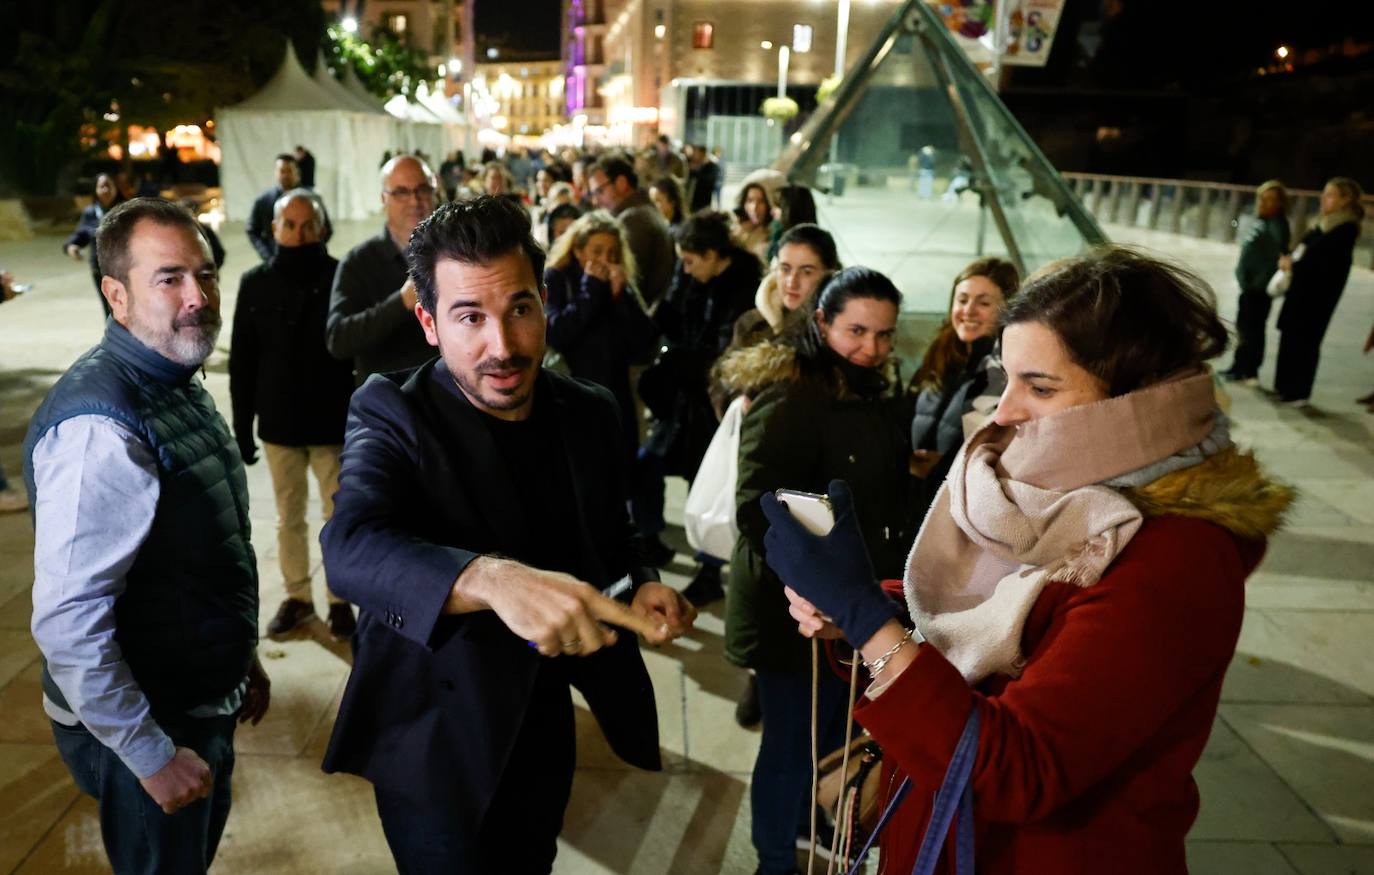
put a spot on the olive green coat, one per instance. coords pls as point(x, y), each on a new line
point(800, 434)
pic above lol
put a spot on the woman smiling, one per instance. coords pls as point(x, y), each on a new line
point(961, 376)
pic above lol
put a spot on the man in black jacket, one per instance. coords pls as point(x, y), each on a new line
point(476, 498)
point(372, 305)
point(259, 227)
point(281, 374)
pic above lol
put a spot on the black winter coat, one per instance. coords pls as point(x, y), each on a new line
point(698, 323)
point(599, 336)
point(279, 369)
point(1319, 278)
point(800, 434)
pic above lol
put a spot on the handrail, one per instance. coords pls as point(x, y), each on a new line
point(1190, 205)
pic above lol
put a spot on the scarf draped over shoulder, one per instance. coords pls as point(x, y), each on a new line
point(1039, 502)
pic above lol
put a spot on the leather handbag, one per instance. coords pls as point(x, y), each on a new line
point(954, 796)
point(858, 786)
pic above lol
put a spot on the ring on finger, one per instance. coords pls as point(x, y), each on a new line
point(569, 646)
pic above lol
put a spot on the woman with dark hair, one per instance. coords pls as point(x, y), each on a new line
point(827, 403)
point(754, 215)
point(597, 320)
point(961, 377)
point(558, 220)
point(107, 197)
point(806, 259)
point(667, 196)
point(713, 284)
point(795, 207)
point(1319, 278)
point(1076, 591)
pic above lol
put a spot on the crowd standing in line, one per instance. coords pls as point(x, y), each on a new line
point(574, 388)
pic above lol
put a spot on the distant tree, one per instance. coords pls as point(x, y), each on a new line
point(384, 63)
point(103, 64)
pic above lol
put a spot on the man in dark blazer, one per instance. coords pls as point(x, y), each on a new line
point(480, 525)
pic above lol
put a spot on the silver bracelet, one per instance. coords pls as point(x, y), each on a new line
point(876, 666)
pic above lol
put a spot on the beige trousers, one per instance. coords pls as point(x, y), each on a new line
point(288, 467)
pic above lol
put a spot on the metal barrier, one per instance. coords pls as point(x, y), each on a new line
point(1209, 210)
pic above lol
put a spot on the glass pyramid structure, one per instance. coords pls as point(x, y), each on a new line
point(921, 168)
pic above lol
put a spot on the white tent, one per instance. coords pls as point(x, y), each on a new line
point(292, 108)
point(421, 130)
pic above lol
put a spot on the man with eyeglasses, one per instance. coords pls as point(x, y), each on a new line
point(614, 186)
point(371, 307)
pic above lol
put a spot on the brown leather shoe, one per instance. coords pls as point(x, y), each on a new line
point(291, 614)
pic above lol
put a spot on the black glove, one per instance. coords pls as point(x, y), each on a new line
point(247, 449)
point(833, 572)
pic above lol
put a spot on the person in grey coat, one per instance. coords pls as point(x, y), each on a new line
point(1266, 240)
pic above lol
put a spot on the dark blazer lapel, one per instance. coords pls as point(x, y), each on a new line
point(475, 460)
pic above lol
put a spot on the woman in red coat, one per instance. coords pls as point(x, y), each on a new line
point(1078, 584)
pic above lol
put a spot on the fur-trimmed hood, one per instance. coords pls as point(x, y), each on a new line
point(1228, 489)
point(752, 369)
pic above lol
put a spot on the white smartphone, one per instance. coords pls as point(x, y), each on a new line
point(811, 510)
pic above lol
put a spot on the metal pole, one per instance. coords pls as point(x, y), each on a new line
point(841, 37)
point(841, 46)
point(783, 54)
point(1001, 31)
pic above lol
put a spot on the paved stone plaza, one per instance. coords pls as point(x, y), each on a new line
point(1287, 780)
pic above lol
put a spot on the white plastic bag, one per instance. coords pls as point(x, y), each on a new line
point(1282, 279)
point(709, 515)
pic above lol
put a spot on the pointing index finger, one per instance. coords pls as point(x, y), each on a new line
point(611, 611)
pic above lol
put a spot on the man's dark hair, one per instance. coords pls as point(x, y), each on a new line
point(470, 232)
point(117, 228)
point(287, 156)
point(615, 166)
point(1127, 318)
point(706, 231)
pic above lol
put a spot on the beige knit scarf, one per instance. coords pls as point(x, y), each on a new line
point(1030, 504)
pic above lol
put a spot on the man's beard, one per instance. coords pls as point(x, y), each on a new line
point(185, 347)
point(496, 399)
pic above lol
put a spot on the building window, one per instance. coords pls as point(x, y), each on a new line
point(703, 35)
point(396, 23)
point(801, 38)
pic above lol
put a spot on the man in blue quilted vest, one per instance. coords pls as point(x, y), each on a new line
point(145, 593)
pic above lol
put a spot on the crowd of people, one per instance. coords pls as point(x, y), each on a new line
point(1042, 533)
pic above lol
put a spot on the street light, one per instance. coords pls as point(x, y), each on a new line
point(1282, 52)
point(350, 25)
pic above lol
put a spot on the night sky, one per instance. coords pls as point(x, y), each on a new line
point(517, 25)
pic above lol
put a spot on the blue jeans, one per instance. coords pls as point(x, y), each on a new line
point(780, 795)
point(138, 836)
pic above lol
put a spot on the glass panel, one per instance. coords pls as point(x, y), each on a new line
point(927, 170)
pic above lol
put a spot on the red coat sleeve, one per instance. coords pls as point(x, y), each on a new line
point(1116, 661)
